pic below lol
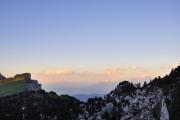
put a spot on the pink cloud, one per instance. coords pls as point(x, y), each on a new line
point(59, 72)
point(62, 76)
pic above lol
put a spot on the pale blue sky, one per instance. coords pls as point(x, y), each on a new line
point(88, 34)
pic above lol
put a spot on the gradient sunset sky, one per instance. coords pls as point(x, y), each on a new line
point(88, 46)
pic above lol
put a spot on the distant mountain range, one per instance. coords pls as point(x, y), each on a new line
point(22, 98)
point(85, 97)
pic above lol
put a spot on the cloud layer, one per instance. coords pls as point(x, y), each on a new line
point(114, 74)
point(72, 81)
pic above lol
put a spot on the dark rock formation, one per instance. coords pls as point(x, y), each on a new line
point(33, 85)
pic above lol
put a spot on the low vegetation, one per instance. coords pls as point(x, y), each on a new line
point(12, 86)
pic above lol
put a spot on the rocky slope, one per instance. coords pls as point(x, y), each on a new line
point(158, 100)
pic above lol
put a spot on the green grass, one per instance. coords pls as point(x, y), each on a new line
point(12, 87)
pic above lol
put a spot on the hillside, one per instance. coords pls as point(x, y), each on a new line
point(17, 84)
point(38, 105)
point(22, 98)
point(12, 87)
point(157, 100)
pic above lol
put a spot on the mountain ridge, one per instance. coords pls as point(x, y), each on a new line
point(157, 100)
point(85, 97)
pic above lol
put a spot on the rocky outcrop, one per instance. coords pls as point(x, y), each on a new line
point(33, 85)
point(133, 102)
point(164, 115)
point(30, 84)
point(26, 76)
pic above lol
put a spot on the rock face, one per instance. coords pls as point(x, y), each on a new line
point(131, 107)
point(2, 77)
point(33, 85)
point(164, 112)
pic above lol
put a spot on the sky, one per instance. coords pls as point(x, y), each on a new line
point(88, 46)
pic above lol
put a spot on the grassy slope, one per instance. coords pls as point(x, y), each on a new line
point(12, 87)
